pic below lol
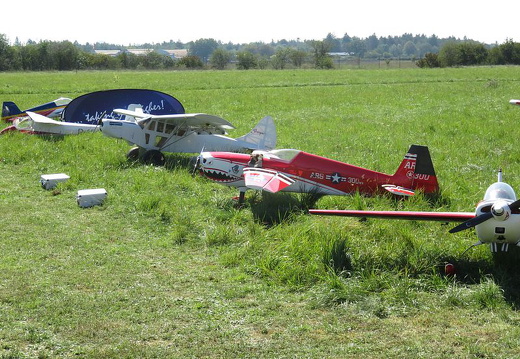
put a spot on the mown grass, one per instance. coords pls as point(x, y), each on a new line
point(169, 267)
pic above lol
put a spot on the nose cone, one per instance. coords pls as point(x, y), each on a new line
point(111, 128)
point(221, 170)
point(206, 159)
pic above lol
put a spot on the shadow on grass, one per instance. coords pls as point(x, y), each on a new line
point(274, 208)
point(504, 270)
point(52, 138)
point(172, 161)
point(506, 274)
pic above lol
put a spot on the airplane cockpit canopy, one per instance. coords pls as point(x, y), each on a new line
point(286, 154)
point(500, 190)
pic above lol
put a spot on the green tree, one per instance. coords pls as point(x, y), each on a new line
point(333, 42)
point(5, 53)
point(203, 48)
point(448, 55)
point(472, 53)
point(220, 58)
point(65, 56)
point(357, 47)
point(509, 53)
point(462, 54)
point(128, 60)
point(320, 51)
point(430, 60)
point(297, 57)
point(191, 62)
point(410, 49)
point(246, 60)
point(281, 58)
point(153, 60)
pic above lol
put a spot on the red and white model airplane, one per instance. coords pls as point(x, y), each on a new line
point(514, 102)
point(291, 170)
point(496, 219)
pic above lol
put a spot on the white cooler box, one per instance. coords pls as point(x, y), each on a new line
point(51, 181)
point(91, 197)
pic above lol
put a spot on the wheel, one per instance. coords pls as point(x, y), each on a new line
point(154, 157)
point(133, 154)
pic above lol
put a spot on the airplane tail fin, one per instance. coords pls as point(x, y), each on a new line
point(262, 137)
point(9, 110)
point(416, 171)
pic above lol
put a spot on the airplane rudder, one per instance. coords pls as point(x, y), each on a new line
point(262, 136)
point(416, 170)
point(424, 174)
point(424, 163)
point(9, 108)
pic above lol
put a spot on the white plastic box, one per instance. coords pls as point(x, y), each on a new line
point(51, 181)
point(91, 197)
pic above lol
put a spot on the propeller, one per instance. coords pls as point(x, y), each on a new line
point(100, 121)
point(197, 163)
point(496, 211)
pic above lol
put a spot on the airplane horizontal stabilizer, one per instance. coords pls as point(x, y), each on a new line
point(42, 119)
point(398, 190)
point(267, 180)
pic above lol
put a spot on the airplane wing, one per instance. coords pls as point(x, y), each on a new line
point(409, 215)
point(188, 119)
point(265, 179)
point(42, 119)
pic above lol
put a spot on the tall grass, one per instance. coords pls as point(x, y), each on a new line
point(169, 266)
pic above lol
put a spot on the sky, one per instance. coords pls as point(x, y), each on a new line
point(133, 22)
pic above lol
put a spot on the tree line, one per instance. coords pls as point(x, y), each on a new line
point(208, 53)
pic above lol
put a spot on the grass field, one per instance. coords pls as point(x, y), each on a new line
point(168, 267)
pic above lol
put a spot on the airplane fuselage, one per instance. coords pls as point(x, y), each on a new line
point(166, 138)
point(51, 127)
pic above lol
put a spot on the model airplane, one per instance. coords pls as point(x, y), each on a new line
point(514, 102)
point(496, 219)
point(186, 133)
point(85, 112)
point(10, 110)
point(297, 171)
point(40, 125)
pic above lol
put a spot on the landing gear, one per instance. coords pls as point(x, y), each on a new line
point(133, 154)
point(241, 197)
point(150, 157)
point(154, 157)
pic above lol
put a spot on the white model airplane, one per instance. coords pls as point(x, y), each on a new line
point(514, 102)
point(186, 133)
point(41, 125)
point(496, 219)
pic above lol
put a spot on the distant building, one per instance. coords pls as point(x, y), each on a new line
point(112, 53)
point(340, 54)
point(174, 54)
point(139, 52)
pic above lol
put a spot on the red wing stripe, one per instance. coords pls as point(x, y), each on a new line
point(425, 216)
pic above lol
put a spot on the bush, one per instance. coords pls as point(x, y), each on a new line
point(430, 60)
point(191, 62)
